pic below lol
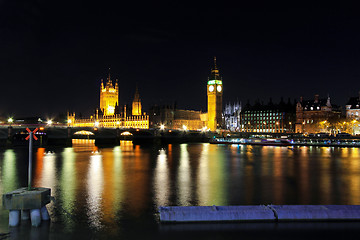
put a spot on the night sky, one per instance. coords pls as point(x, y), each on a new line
point(53, 54)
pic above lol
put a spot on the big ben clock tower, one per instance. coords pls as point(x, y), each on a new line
point(214, 94)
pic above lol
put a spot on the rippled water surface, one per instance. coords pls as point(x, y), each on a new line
point(115, 192)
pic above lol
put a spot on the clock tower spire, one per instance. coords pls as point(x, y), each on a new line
point(214, 94)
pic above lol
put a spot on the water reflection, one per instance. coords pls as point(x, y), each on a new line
point(183, 180)
point(203, 177)
point(68, 183)
point(117, 180)
point(95, 182)
point(113, 185)
point(161, 180)
point(83, 145)
point(9, 178)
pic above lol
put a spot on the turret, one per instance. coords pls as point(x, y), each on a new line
point(136, 105)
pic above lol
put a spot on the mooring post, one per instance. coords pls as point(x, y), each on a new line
point(30, 160)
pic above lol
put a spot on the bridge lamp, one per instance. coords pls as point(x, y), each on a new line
point(96, 124)
point(69, 121)
point(49, 122)
point(10, 120)
point(184, 128)
point(162, 127)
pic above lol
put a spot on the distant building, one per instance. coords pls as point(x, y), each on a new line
point(110, 114)
point(310, 114)
point(231, 116)
point(353, 113)
point(170, 117)
point(268, 118)
point(353, 108)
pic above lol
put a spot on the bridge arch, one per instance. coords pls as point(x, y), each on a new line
point(84, 132)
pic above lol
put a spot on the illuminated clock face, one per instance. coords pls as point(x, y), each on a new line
point(219, 88)
point(211, 88)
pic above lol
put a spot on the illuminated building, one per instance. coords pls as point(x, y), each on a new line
point(269, 118)
point(353, 113)
point(109, 97)
point(109, 115)
point(232, 116)
point(353, 108)
point(136, 105)
point(309, 114)
point(172, 118)
point(214, 96)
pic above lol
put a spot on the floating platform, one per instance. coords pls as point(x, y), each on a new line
point(251, 213)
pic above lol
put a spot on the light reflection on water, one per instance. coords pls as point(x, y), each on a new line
point(104, 189)
point(95, 182)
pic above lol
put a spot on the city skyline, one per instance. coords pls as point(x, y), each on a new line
point(54, 57)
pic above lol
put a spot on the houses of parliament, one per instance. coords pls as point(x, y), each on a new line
point(111, 115)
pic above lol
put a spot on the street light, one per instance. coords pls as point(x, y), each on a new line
point(10, 120)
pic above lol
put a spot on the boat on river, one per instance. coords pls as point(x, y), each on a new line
point(253, 141)
point(269, 142)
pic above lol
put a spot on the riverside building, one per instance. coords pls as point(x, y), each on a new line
point(353, 108)
point(353, 113)
point(231, 117)
point(310, 114)
point(268, 118)
point(169, 116)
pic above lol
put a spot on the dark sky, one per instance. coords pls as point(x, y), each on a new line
point(53, 54)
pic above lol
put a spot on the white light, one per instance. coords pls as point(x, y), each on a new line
point(126, 134)
point(10, 120)
point(97, 124)
point(162, 126)
point(49, 122)
point(184, 127)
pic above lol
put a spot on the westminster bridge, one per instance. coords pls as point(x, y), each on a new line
point(60, 135)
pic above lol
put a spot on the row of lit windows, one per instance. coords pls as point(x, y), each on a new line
point(250, 118)
point(264, 130)
point(262, 121)
point(262, 114)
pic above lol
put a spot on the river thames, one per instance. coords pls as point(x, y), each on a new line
point(114, 193)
